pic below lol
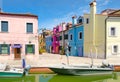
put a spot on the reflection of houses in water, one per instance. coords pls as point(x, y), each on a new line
point(45, 78)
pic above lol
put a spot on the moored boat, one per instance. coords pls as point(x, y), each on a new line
point(81, 70)
point(7, 71)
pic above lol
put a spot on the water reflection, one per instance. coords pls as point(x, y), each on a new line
point(115, 77)
point(23, 79)
point(95, 78)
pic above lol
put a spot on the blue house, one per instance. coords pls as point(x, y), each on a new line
point(76, 34)
point(48, 41)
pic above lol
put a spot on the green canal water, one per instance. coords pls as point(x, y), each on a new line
point(115, 77)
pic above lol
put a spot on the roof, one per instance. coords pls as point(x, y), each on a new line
point(108, 11)
point(15, 14)
point(115, 13)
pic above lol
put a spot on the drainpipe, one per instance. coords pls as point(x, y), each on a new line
point(105, 56)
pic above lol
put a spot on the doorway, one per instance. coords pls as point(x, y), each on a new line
point(17, 53)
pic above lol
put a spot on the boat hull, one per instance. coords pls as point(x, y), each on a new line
point(11, 74)
point(65, 71)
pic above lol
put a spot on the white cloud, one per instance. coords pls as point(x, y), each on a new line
point(103, 2)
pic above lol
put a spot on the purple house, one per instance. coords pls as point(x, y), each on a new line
point(55, 39)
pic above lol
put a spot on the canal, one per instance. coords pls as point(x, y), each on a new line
point(115, 77)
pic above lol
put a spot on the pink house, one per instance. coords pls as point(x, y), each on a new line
point(55, 40)
point(18, 35)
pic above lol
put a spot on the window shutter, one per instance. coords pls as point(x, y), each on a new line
point(25, 49)
point(8, 49)
point(33, 49)
point(109, 31)
point(0, 48)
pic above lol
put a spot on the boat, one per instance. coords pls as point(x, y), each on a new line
point(8, 71)
point(81, 70)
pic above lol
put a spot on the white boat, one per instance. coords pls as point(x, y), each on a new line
point(81, 70)
point(7, 71)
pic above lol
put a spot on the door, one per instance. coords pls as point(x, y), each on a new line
point(17, 53)
point(80, 51)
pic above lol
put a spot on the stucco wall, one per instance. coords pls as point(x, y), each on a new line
point(113, 40)
point(17, 32)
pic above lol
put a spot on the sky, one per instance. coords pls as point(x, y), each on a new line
point(54, 12)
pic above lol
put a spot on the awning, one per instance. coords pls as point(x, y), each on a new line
point(16, 46)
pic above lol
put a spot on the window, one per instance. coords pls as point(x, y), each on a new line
point(60, 37)
point(29, 27)
point(69, 48)
point(30, 49)
point(71, 37)
point(80, 35)
point(4, 49)
point(115, 49)
point(4, 26)
point(57, 38)
point(113, 31)
point(80, 21)
point(52, 39)
point(87, 20)
point(66, 36)
point(60, 47)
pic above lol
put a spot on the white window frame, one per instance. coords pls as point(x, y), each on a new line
point(79, 35)
point(115, 53)
point(111, 31)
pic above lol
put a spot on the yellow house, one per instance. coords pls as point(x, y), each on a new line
point(97, 27)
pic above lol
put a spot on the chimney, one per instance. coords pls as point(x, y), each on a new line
point(92, 20)
point(93, 7)
point(74, 20)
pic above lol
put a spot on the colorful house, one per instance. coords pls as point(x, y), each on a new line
point(48, 40)
point(55, 40)
point(42, 40)
point(100, 31)
point(75, 42)
point(18, 35)
point(63, 39)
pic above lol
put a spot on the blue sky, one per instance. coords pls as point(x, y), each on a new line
point(53, 12)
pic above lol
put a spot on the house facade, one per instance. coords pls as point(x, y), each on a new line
point(63, 39)
point(75, 42)
point(113, 34)
point(55, 40)
point(48, 41)
point(18, 35)
point(99, 33)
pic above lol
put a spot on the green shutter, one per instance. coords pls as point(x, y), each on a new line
point(8, 49)
point(0, 48)
point(25, 49)
point(33, 49)
point(4, 26)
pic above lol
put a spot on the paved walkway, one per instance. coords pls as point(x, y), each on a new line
point(47, 59)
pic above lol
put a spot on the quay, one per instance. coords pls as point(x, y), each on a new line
point(40, 63)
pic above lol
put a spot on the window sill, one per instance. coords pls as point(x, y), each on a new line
point(4, 54)
point(29, 33)
point(30, 54)
point(4, 32)
point(114, 53)
point(112, 36)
